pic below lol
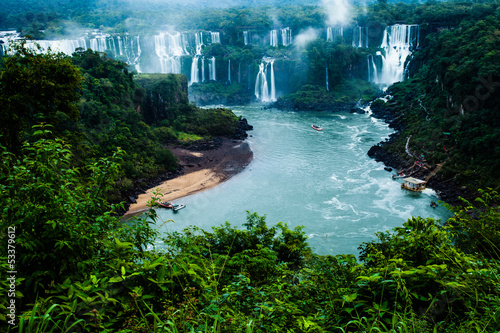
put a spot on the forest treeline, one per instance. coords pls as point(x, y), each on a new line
point(93, 103)
point(79, 131)
point(449, 105)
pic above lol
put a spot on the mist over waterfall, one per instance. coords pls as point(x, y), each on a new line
point(261, 86)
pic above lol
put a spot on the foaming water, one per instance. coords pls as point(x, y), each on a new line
point(323, 181)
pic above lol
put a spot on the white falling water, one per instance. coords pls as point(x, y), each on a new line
point(195, 76)
point(397, 43)
point(261, 90)
point(229, 71)
point(215, 37)
point(286, 36)
point(273, 38)
point(203, 69)
point(170, 48)
point(273, 85)
point(261, 85)
point(194, 70)
point(211, 69)
point(245, 37)
point(357, 37)
point(327, 83)
point(332, 32)
point(372, 69)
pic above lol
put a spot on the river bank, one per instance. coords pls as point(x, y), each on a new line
point(447, 189)
point(203, 166)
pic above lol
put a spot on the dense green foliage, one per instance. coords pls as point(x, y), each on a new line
point(450, 105)
point(94, 103)
point(35, 88)
point(80, 268)
point(421, 277)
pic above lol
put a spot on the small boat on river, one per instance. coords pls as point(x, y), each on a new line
point(317, 128)
point(172, 206)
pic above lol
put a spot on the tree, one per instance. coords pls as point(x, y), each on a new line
point(59, 213)
point(35, 87)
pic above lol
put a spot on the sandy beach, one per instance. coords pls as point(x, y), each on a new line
point(203, 169)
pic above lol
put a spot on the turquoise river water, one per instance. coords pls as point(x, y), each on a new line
point(324, 181)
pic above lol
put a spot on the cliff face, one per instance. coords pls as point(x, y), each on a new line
point(164, 96)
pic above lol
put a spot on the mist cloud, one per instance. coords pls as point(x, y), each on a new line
point(338, 11)
point(306, 36)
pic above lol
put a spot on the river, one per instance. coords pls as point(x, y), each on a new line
point(324, 181)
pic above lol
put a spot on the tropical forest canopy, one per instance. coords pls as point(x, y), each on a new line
point(80, 132)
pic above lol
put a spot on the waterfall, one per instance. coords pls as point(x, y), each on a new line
point(357, 36)
point(170, 48)
point(198, 37)
point(261, 90)
point(332, 32)
point(203, 69)
point(286, 36)
point(273, 38)
point(211, 69)
point(261, 85)
point(397, 43)
point(327, 83)
point(194, 71)
point(229, 71)
point(215, 37)
point(273, 86)
point(245, 37)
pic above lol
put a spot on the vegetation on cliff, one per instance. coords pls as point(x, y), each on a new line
point(78, 268)
point(95, 105)
point(449, 106)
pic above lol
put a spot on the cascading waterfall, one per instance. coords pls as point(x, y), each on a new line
point(194, 70)
point(261, 85)
point(286, 36)
point(211, 69)
point(273, 85)
point(215, 37)
point(327, 83)
point(397, 43)
point(261, 90)
point(357, 36)
point(202, 69)
point(169, 49)
point(229, 71)
point(194, 66)
point(273, 36)
point(332, 32)
point(245, 37)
